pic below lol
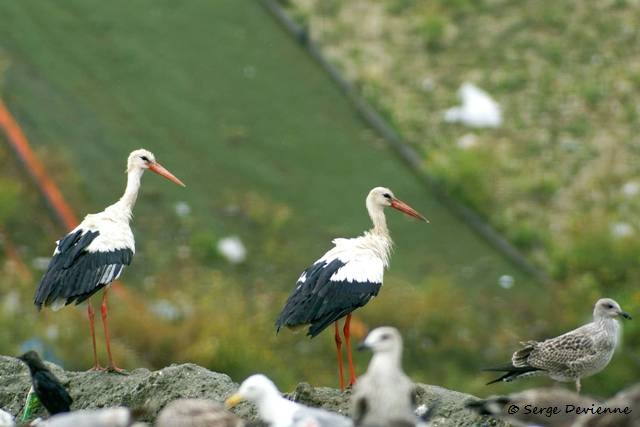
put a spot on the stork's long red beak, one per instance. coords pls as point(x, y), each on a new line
point(403, 207)
point(162, 171)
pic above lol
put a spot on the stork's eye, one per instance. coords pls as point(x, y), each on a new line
point(608, 305)
point(385, 337)
point(145, 158)
point(386, 196)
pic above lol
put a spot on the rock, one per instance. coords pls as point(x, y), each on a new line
point(154, 390)
point(449, 409)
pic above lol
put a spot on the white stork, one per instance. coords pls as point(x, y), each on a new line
point(94, 253)
point(345, 278)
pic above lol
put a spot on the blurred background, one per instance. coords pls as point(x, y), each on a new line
point(527, 112)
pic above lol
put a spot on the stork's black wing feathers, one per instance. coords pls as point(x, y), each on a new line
point(74, 274)
point(50, 392)
point(319, 301)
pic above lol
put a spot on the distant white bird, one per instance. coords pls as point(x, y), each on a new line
point(197, 413)
point(544, 398)
point(345, 278)
point(6, 419)
point(277, 411)
point(577, 354)
point(384, 395)
point(106, 417)
point(478, 109)
point(94, 253)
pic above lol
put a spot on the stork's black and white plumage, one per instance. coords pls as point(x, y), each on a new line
point(345, 278)
point(94, 253)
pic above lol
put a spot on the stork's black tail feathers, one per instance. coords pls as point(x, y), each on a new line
point(511, 372)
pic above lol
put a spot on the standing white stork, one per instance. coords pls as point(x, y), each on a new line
point(345, 278)
point(94, 253)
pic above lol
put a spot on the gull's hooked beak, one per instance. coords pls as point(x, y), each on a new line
point(162, 171)
point(625, 315)
point(233, 401)
point(403, 207)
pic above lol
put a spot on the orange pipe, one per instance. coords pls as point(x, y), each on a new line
point(20, 144)
point(34, 166)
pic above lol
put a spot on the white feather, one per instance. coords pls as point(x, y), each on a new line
point(114, 229)
point(365, 258)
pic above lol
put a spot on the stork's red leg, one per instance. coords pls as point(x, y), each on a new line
point(103, 309)
point(92, 317)
point(347, 339)
point(339, 348)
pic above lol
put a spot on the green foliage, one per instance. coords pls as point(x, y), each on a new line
point(10, 192)
point(551, 178)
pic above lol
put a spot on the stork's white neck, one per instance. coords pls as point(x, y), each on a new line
point(376, 212)
point(128, 199)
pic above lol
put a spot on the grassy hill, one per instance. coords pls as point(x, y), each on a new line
point(271, 152)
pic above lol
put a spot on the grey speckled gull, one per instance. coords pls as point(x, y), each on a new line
point(569, 357)
point(197, 413)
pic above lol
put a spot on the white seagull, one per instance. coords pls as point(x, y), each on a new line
point(384, 395)
point(94, 253)
point(345, 278)
point(580, 353)
point(105, 417)
point(277, 411)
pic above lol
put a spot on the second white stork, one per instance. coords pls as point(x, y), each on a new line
point(94, 253)
point(345, 278)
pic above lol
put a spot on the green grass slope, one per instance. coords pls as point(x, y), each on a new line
point(271, 152)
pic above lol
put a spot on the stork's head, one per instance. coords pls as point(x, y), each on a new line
point(385, 339)
point(606, 308)
point(255, 389)
point(142, 159)
point(382, 196)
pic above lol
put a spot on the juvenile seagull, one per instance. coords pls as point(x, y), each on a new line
point(197, 413)
point(569, 357)
point(95, 253)
point(46, 386)
point(543, 398)
point(345, 278)
point(277, 411)
point(384, 394)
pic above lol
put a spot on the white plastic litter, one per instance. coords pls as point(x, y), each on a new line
point(478, 109)
point(232, 249)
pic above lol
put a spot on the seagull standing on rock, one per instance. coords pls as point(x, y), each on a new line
point(580, 353)
point(384, 395)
